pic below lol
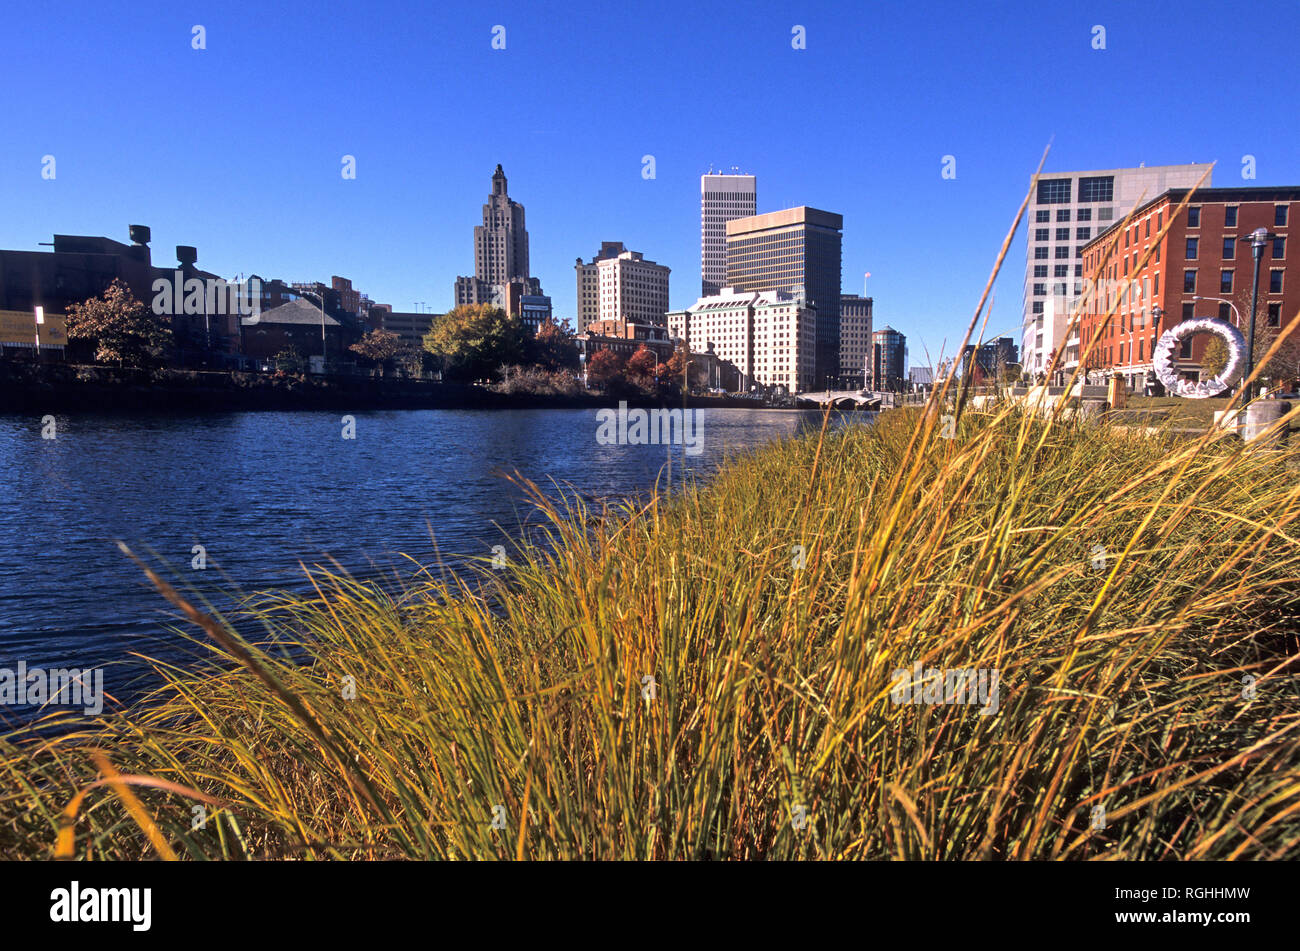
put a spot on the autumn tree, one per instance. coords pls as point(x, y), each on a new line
point(473, 341)
point(120, 328)
point(682, 370)
point(604, 368)
point(379, 346)
point(553, 348)
point(643, 367)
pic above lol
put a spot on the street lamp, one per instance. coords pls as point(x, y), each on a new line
point(1257, 238)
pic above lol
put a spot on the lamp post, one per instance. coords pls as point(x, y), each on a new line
point(40, 319)
point(1257, 238)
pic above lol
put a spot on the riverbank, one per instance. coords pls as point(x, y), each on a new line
point(60, 387)
point(761, 666)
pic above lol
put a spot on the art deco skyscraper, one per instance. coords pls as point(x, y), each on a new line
point(500, 251)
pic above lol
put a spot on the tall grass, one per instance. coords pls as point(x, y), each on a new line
point(525, 695)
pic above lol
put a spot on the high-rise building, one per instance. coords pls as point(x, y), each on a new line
point(500, 252)
point(621, 285)
point(769, 336)
point(796, 250)
point(855, 340)
point(1066, 211)
point(992, 358)
point(888, 358)
point(723, 197)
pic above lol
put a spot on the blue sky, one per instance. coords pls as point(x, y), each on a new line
point(237, 149)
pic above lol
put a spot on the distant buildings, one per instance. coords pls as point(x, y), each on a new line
point(796, 251)
point(723, 198)
point(991, 357)
point(299, 326)
point(769, 336)
point(621, 285)
point(1205, 254)
point(888, 358)
point(501, 259)
point(855, 340)
point(1066, 211)
point(410, 327)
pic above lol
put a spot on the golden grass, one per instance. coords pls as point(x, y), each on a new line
point(1120, 687)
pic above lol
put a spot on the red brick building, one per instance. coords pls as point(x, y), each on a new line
point(1206, 254)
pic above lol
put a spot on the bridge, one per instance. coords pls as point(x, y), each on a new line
point(843, 399)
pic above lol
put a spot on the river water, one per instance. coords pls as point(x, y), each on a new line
point(265, 492)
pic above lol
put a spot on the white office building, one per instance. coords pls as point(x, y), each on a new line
point(1066, 211)
point(621, 285)
point(770, 336)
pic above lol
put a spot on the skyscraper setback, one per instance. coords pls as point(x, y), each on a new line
point(723, 197)
point(500, 252)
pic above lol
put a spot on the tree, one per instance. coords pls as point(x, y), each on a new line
point(473, 342)
point(682, 370)
point(604, 367)
point(120, 328)
point(553, 347)
point(643, 367)
point(379, 346)
point(1214, 360)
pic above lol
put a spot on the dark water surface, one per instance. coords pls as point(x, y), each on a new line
point(263, 492)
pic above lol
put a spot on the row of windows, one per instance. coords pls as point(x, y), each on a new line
point(1056, 191)
point(1060, 252)
point(1230, 216)
point(1229, 251)
point(1062, 234)
point(1226, 278)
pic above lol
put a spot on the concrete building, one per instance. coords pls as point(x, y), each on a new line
point(1204, 255)
point(621, 285)
point(1066, 211)
point(723, 197)
point(769, 336)
point(855, 340)
point(798, 251)
point(888, 359)
point(500, 254)
point(410, 327)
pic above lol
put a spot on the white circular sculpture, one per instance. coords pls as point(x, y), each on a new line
point(1162, 357)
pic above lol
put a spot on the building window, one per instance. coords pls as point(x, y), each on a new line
point(1229, 248)
point(1040, 270)
point(1275, 315)
point(1042, 217)
point(1193, 217)
point(1225, 282)
point(1148, 234)
point(1105, 214)
point(1062, 234)
point(1223, 311)
point(1040, 290)
point(1061, 270)
point(1037, 307)
point(1054, 191)
point(1156, 286)
point(1279, 216)
point(1097, 188)
point(1185, 351)
point(1063, 214)
point(1188, 311)
point(1230, 217)
point(1078, 270)
point(1192, 244)
point(1275, 281)
point(1078, 252)
point(1062, 252)
point(1082, 234)
point(1279, 248)
point(1042, 234)
point(1085, 214)
point(1040, 254)
point(1189, 282)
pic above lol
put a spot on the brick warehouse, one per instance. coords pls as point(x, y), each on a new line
point(1203, 255)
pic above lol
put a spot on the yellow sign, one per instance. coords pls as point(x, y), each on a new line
point(18, 327)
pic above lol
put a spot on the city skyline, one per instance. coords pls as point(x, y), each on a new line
point(397, 230)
